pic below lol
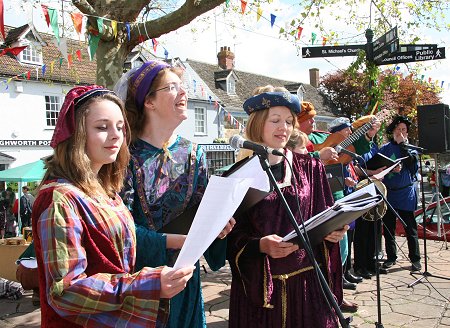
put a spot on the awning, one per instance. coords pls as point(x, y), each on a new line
point(25, 173)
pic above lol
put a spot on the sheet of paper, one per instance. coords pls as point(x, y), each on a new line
point(253, 169)
point(369, 189)
point(381, 175)
point(221, 199)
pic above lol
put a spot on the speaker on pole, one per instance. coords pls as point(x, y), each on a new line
point(434, 128)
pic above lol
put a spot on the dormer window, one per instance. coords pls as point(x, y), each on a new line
point(231, 85)
point(31, 54)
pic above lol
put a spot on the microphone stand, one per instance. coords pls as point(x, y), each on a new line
point(345, 322)
point(378, 324)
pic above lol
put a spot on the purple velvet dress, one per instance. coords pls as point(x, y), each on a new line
point(267, 292)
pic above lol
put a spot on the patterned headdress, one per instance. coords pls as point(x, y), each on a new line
point(142, 79)
point(271, 99)
point(65, 125)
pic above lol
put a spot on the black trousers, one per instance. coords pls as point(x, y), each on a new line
point(390, 221)
point(364, 244)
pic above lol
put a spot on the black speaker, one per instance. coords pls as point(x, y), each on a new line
point(434, 128)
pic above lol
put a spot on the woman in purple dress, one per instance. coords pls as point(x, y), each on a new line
point(274, 283)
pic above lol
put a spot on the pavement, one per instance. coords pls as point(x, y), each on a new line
point(426, 304)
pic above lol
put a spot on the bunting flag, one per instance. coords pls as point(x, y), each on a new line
point(155, 44)
point(259, 13)
point(100, 25)
point(227, 3)
point(69, 61)
point(62, 46)
point(141, 38)
point(28, 75)
point(272, 19)
point(44, 68)
point(2, 22)
point(313, 37)
point(422, 77)
point(114, 28)
point(78, 52)
point(166, 53)
point(324, 40)
point(299, 33)
point(442, 84)
point(127, 25)
point(53, 13)
point(210, 99)
point(216, 104)
point(93, 44)
point(243, 5)
point(60, 62)
point(429, 80)
point(52, 64)
point(12, 52)
point(77, 19)
point(195, 85)
point(47, 17)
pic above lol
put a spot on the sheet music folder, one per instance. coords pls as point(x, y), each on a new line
point(182, 223)
point(336, 217)
point(379, 160)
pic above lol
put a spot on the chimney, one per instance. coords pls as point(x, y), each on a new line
point(314, 77)
point(225, 58)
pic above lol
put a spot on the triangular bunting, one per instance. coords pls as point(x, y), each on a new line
point(53, 13)
point(259, 13)
point(243, 5)
point(77, 19)
point(47, 17)
point(272, 19)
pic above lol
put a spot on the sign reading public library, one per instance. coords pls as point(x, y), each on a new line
point(25, 143)
point(412, 56)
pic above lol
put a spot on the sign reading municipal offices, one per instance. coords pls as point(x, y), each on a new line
point(25, 143)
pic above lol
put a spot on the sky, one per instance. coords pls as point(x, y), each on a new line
point(257, 46)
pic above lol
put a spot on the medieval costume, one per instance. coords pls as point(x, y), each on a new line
point(87, 247)
point(160, 185)
point(284, 292)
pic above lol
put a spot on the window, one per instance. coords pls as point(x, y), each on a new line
point(31, 54)
point(231, 86)
point(200, 120)
point(52, 107)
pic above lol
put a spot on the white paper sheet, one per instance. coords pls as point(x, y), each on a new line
point(381, 175)
point(253, 169)
point(221, 199)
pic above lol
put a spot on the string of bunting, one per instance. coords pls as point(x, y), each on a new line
point(51, 17)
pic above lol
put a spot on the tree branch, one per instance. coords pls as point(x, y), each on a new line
point(181, 17)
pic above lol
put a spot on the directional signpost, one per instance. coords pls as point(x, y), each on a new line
point(383, 51)
point(412, 56)
point(330, 51)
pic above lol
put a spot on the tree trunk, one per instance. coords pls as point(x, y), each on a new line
point(111, 56)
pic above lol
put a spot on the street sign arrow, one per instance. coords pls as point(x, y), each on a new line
point(384, 40)
point(413, 56)
point(332, 51)
point(387, 49)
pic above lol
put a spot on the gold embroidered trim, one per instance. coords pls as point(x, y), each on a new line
point(237, 266)
point(266, 296)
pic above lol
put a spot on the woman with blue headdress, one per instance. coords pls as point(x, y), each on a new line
point(274, 283)
point(167, 175)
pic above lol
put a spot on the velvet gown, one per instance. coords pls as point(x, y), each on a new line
point(267, 292)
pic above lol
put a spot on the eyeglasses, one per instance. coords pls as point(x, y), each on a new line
point(173, 86)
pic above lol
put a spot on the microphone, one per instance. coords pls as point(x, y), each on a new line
point(405, 145)
point(238, 142)
point(339, 150)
